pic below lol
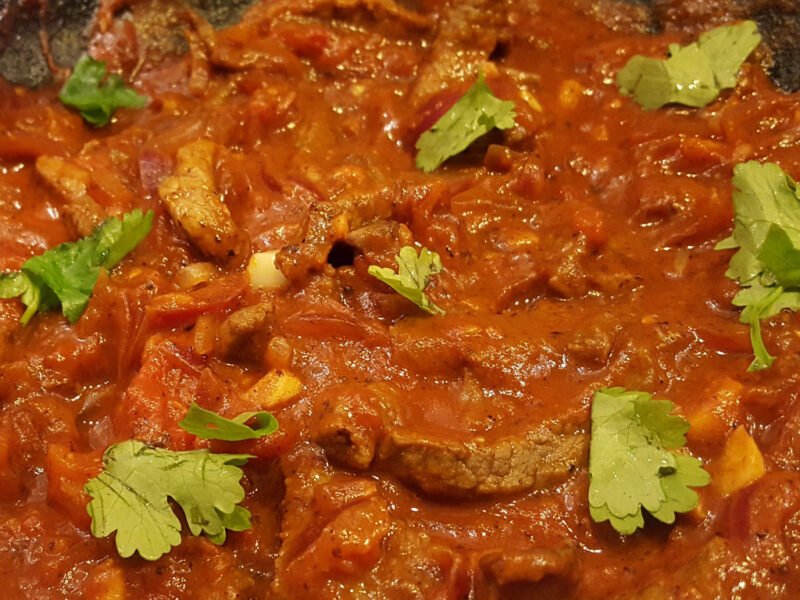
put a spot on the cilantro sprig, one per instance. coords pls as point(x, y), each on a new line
point(131, 496)
point(97, 101)
point(211, 426)
point(474, 115)
point(693, 75)
point(65, 275)
point(414, 272)
point(633, 464)
point(766, 204)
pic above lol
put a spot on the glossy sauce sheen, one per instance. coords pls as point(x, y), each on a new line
point(577, 251)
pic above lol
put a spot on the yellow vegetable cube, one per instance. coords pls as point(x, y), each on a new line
point(740, 464)
point(276, 387)
point(717, 412)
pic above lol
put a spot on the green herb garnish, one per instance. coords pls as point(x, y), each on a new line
point(96, 100)
point(65, 275)
point(414, 272)
point(475, 114)
point(693, 75)
point(211, 426)
point(766, 231)
point(131, 496)
point(632, 462)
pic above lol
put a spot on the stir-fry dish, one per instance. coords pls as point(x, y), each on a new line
point(404, 299)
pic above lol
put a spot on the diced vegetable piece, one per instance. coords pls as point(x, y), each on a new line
point(275, 388)
point(106, 581)
point(740, 464)
point(195, 274)
point(263, 272)
point(67, 471)
point(716, 413)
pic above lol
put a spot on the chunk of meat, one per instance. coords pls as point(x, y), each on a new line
point(333, 525)
point(361, 430)
point(26, 432)
point(351, 429)
point(72, 183)
point(531, 566)
point(380, 240)
point(245, 332)
point(592, 345)
point(702, 577)
point(330, 222)
point(160, 394)
point(191, 197)
point(226, 48)
point(379, 9)
point(466, 36)
point(538, 459)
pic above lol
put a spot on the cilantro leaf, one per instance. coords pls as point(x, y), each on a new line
point(66, 275)
point(766, 234)
point(32, 293)
point(693, 75)
point(131, 497)
point(632, 464)
point(677, 486)
point(211, 426)
point(96, 101)
point(413, 275)
point(473, 115)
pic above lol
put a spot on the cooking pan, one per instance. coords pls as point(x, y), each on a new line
point(64, 25)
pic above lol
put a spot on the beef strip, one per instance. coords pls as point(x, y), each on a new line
point(532, 566)
point(466, 37)
point(702, 577)
point(245, 332)
point(72, 183)
point(379, 9)
point(538, 459)
point(191, 197)
point(329, 222)
point(362, 431)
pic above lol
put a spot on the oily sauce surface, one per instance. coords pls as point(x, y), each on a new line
point(577, 251)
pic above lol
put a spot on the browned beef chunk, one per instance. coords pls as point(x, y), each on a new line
point(466, 37)
point(360, 431)
point(244, 333)
point(72, 182)
point(539, 459)
point(532, 566)
point(702, 577)
point(191, 197)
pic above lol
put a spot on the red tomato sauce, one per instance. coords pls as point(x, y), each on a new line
point(577, 252)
